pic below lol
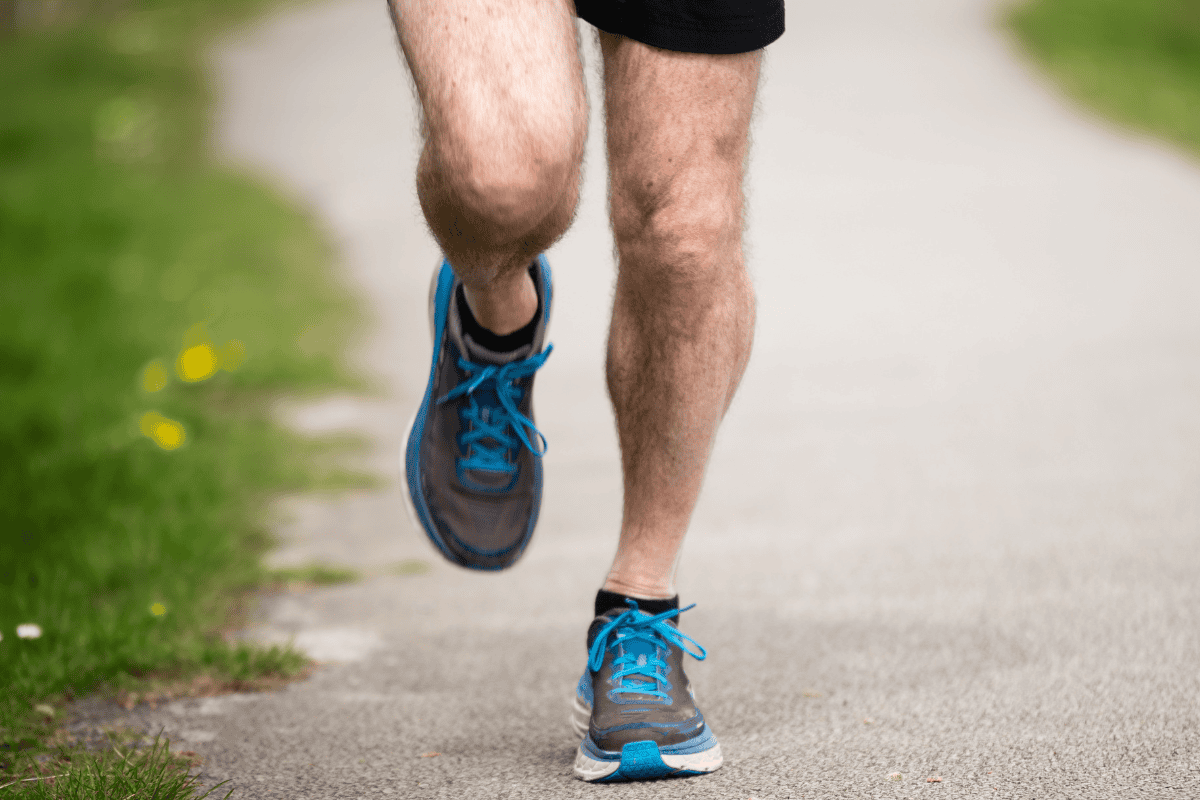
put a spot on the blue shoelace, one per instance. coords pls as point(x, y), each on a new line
point(494, 394)
point(641, 672)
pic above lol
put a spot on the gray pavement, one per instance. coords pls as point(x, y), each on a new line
point(951, 524)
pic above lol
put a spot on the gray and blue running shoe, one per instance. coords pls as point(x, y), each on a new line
point(634, 706)
point(473, 462)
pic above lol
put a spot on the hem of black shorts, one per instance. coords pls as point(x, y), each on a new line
point(722, 41)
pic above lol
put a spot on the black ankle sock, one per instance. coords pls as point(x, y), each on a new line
point(485, 338)
point(607, 601)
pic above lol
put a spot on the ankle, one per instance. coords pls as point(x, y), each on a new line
point(608, 601)
point(487, 339)
point(504, 305)
point(639, 589)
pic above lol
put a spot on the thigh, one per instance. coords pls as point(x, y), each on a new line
point(496, 79)
point(677, 130)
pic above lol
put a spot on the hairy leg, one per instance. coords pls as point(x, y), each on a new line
point(504, 117)
point(677, 128)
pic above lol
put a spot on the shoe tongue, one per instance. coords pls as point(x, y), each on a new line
point(482, 355)
point(641, 650)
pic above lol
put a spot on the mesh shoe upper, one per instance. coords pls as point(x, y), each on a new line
point(635, 681)
point(474, 454)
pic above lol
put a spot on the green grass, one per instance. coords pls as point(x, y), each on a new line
point(129, 768)
point(1137, 61)
point(132, 499)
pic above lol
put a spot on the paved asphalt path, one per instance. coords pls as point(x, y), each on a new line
point(951, 524)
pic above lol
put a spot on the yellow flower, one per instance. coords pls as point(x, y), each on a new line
point(198, 359)
point(166, 433)
point(197, 363)
point(158, 609)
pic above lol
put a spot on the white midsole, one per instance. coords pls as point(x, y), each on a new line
point(590, 769)
point(704, 761)
point(581, 715)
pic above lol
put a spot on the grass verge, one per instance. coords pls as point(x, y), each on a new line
point(1137, 61)
point(152, 304)
point(130, 768)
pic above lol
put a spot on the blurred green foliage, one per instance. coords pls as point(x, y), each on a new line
point(121, 244)
point(1137, 61)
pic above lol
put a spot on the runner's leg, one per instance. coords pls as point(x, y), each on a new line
point(677, 127)
point(504, 121)
point(504, 118)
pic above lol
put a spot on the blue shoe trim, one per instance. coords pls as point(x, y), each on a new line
point(705, 740)
point(595, 752)
point(544, 269)
point(642, 761)
point(441, 306)
point(639, 761)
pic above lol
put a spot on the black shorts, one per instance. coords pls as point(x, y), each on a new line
point(690, 26)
